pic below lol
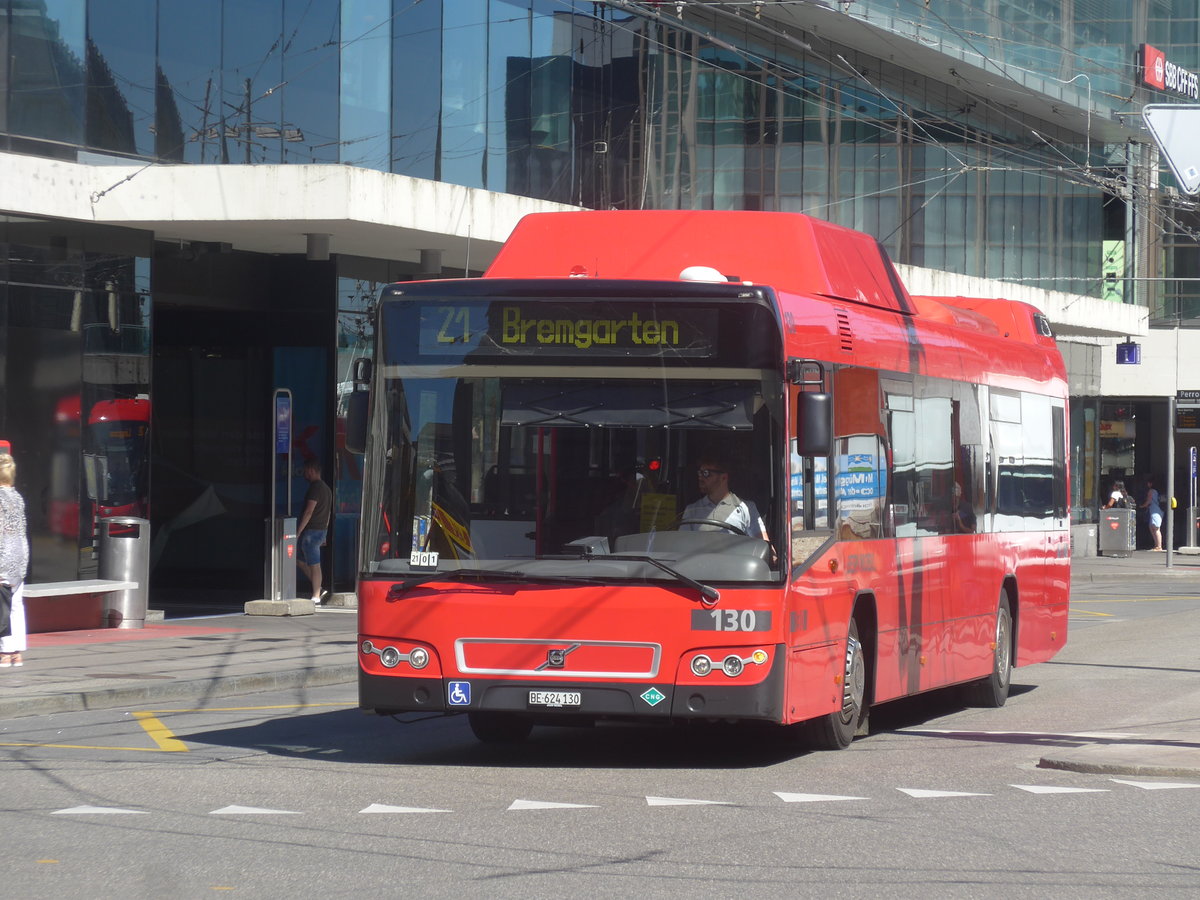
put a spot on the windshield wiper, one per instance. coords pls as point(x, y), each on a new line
point(708, 595)
point(406, 585)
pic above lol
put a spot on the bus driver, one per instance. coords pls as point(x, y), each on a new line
point(720, 504)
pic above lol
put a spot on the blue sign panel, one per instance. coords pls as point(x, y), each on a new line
point(1129, 354)
point(458, 693)
point(283, 422)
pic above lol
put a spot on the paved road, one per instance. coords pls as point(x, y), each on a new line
point(294, 792)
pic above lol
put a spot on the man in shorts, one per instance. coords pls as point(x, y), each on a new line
point(314, 526)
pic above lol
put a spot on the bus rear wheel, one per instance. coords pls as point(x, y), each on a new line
point(499, 728)
point(836, 730)
point(992, 691)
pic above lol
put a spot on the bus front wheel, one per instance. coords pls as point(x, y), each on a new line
point(499, 728)
point(992, 691)
point(836, 730)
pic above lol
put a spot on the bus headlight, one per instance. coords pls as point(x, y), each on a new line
point(390, 657)
point(732, 666)
point(418, 657)
point(701, 665)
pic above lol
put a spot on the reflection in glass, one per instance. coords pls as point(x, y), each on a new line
point(121, 75)
point(365, 89)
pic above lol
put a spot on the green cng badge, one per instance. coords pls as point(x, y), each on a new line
point(654, 696)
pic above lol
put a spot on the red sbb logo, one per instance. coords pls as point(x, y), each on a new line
point(1154, 62)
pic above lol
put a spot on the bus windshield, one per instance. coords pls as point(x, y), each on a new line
point(493, 457)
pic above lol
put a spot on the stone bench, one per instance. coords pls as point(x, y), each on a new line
point(69, 605)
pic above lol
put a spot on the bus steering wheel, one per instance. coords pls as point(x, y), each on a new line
point(734, 528)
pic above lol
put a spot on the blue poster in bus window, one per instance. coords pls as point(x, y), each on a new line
point(859, 482)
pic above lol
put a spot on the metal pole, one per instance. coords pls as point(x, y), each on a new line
point(1168, 513)
point(1191, 510)
point(272, 591)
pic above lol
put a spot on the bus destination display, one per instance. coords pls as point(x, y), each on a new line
point(528, 329)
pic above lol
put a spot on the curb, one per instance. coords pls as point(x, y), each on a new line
point(154, 694)
point(1141, 577)
point(1096, 764)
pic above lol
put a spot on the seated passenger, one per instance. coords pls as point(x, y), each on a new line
point(720, 504)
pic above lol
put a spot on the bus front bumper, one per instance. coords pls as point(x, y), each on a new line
point(567, 700)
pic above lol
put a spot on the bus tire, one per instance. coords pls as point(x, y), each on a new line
point(499, 728)
point(992, 691)
point(836, 730)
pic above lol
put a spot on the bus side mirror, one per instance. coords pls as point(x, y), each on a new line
point(356, 420)
point(814, 421)
point(362, 372)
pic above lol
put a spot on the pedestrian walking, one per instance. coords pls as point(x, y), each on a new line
point(14, 563)
point(1153, 506)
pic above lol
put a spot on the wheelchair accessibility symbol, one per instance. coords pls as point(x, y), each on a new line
point(459, 693)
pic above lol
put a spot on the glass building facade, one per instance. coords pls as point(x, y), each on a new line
point(622, 106)
point(690, 105)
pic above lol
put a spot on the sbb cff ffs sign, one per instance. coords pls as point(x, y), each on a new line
point(1159, 72)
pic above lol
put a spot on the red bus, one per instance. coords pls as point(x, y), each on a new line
point(117, 457)
point(532, 445)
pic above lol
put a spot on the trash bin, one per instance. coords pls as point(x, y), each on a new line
point(125, 556)
point(1116, 532)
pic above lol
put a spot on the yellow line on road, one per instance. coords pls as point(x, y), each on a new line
point(160, 733)
point(80, 747)
point(1089, 612)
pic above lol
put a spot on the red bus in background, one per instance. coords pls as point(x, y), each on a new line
point(522, 562)
point(115, 446)
point(116, 457)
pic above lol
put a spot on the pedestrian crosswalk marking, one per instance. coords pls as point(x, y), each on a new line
point(540, 804)
point(921, 794)
point(786, 797)
point(1157, 785)
point(1052, 789)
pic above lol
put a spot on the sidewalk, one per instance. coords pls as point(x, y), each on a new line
point(196, 660)
point(1140, 565)
point(180, 660)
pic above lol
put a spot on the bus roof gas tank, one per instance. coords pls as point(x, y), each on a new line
point(788, 251)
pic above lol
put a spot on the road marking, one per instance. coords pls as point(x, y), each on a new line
point(1051, 789)
point(80, 747)
point(915, 793)
point(1156, 785)
point(539, 804)
point(1090, 612)
point(920, 794)
point(812, 798)
point(160, 733)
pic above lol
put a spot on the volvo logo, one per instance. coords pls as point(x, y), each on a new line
point(556, 658)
